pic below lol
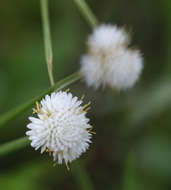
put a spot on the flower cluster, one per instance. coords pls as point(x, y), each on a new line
point(109, 61)
point(61, 127)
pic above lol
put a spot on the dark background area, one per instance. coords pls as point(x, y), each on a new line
point(132, 147)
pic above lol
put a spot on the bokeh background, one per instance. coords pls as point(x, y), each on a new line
point(132, 147)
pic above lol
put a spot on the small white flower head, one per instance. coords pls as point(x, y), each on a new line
point(109, 61)
point(61, 127)
point(107, 38)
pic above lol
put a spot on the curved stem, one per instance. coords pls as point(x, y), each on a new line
point(58, 86)
point(87, 13)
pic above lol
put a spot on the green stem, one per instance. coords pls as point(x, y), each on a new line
point(13, 146)
point(131, 177)
point(47, 39)
point(82, 178)
point(87, 13)
point(58, 86)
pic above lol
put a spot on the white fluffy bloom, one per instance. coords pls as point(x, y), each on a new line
point(107, 38)
point(61, 127)
point(109, 61)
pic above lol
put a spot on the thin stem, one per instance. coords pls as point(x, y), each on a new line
point(47, 39)
point(58, 86)
point(13, 146)
point(87, 13)
point(82, 178)
point(131, 174)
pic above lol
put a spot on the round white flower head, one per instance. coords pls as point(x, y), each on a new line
point(107, 38)
point(109, 61)
point(61, 127)
point(126, 70)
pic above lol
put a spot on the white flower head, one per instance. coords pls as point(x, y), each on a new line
point(107, 38)
point(61, 127)
point(126, 70)
point(109, 61)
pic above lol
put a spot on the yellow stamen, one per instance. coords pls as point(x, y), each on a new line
point(54, 164)
point(67, 90)
point(37, 109)
point(86, 105)
point(87, 109)
point(83, 96)
point(49, 151)
point(90, 130)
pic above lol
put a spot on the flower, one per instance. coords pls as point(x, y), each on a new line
point(61, 127)
point(109, 61)
point(107, 38)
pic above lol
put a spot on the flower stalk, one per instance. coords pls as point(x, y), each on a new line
point(13, 146)
point(81, 175)
point(20, 109)
point(47, 39)
point(86, 12)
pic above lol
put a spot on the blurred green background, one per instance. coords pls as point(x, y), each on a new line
point(132, 147)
